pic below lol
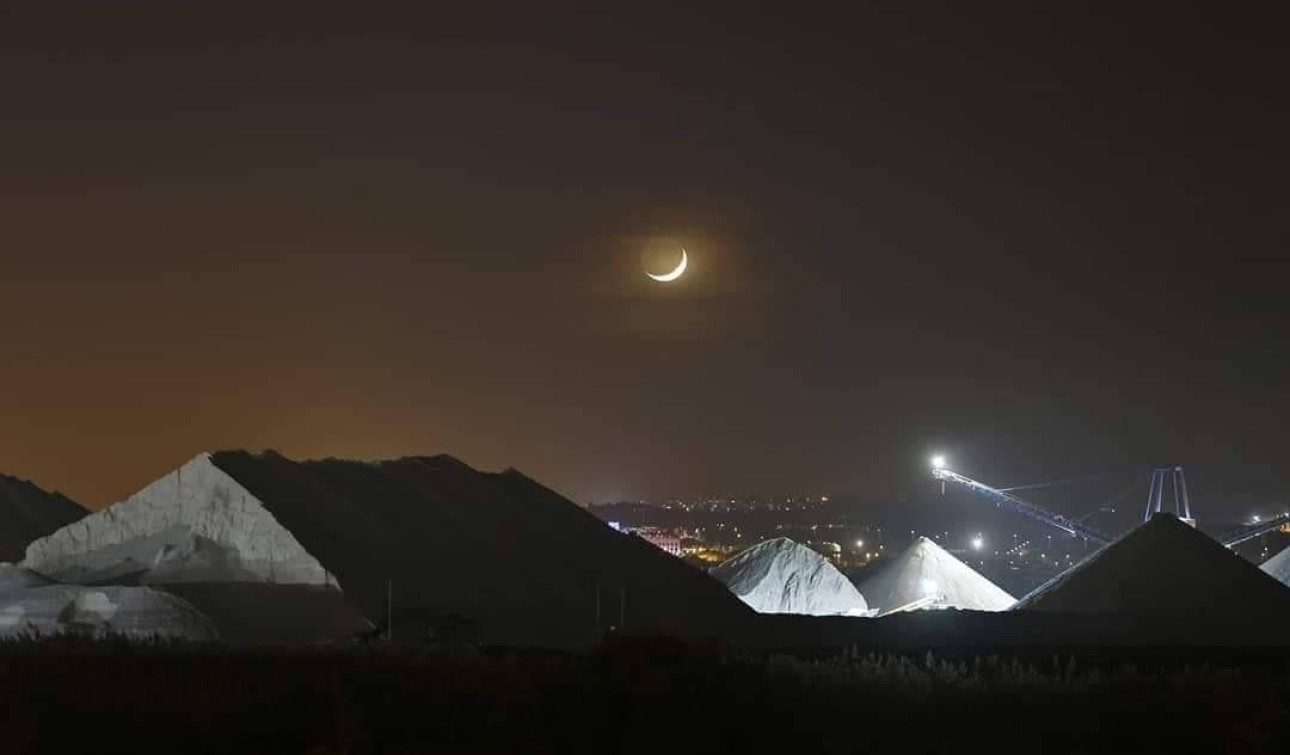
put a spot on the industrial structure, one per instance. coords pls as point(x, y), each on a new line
point(1162, 479)
point(1006, 500)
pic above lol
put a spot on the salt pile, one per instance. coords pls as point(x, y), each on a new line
point(72, 609)
point(209, 542)
point(781, 576)
point(27, 513)
point(13, 577)
point(31, 605)
point(927, 576)
point(275, 550)
point(1278, 567)
point(196, 524)
point(1164, 568)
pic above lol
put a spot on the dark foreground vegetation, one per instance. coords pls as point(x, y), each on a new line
point(645, 695)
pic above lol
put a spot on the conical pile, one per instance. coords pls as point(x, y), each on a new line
point(927, 576)
point(1164, 568)
point(129, 611)
point(782, 576)
point(1278, 567)
point(28, 513)
point(276, 551)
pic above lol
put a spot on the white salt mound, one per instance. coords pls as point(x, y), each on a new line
point(73, 609)
point(781, 576)
point(196, 524)
point(928, 576)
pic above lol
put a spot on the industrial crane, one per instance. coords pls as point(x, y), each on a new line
point(1070, 526)
point(1260, 527)
point(1161, 479)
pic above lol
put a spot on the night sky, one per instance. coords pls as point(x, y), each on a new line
point(1047, 245)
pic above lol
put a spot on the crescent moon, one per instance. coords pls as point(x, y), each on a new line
point(677, 273)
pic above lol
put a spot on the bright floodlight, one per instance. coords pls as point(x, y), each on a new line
point(938, 462)
point(977, 543)
point(859, 543)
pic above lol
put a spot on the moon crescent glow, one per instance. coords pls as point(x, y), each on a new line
point(677, 273)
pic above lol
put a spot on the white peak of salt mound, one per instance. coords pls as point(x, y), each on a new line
point(928, 576)
point(196, 524)
point(782, 576)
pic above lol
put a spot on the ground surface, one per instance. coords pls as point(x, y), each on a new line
point(640, 695)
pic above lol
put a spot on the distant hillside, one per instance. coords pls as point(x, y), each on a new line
point(28, 513)
point(520, 559)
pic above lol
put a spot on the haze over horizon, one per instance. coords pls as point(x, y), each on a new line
point(1038, 245)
